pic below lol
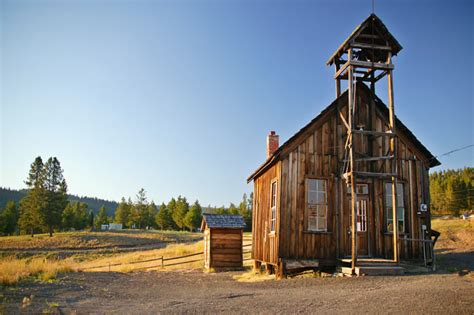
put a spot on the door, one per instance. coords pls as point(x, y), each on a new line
point(361, 225)
point(363, 219)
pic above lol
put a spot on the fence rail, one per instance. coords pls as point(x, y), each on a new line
point(162, 259)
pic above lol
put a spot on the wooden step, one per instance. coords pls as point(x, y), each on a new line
point(375, 270)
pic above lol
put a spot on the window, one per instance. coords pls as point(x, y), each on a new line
point(273, 202)
point(316, 204)
point(389, 209)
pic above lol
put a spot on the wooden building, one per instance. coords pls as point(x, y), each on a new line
point(222, 240)
point(354, 167)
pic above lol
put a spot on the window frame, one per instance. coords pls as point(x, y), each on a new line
point(273, 205)
point(388, 207)
point(325, 204)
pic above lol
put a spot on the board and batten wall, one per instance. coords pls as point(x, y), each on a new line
point(224, 246)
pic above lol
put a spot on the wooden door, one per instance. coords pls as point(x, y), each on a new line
point(362, 226)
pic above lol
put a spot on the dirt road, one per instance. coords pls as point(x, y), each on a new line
point(197, 292)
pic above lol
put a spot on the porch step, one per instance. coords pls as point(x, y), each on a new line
point(375, 270)
point(368, 262)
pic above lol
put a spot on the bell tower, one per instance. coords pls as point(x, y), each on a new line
point(366, 56)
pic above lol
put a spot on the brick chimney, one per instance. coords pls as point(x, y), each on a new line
point(272, 143)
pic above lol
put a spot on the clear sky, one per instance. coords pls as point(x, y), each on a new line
point(178, 96)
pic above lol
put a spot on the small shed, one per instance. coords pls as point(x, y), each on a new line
point(222, 240)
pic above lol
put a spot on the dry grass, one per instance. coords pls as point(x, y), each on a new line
point(456, 234)
point(172, 250)
point(13, 270)
point(84, 239)
point(253, 276)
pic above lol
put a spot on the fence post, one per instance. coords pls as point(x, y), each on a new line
point(109, 266)
point(162, 262)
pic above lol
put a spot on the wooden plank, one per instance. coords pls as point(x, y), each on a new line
point(375, 65)
point(393, 151)
point(225, 236)
point(374, 133)
point(369, 46)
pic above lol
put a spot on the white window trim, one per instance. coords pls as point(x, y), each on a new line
point(273, 205)
point(389, 209)
point(325, 205)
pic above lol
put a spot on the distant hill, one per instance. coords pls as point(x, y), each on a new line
point(93, 203)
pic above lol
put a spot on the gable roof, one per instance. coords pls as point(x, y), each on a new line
point(374, 24)
point(379, 103)
point(228, 221)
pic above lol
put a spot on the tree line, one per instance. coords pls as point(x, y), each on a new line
point(46, 208)
point(452, 191)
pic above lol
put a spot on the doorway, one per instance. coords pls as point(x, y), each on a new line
point(363, 219)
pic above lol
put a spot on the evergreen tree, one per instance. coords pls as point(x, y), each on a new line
point(9, 219)
point(101, 218)
point(182, 207)
point(33, 204)
point(151, 215)
point(140, 210)
point(233, 209)
point(90, 220)
point(246, 213)
point(81, 213)
point(56, 195)
point(163, 219)
point(68, 217)
point(193, 217)
point(122, 213)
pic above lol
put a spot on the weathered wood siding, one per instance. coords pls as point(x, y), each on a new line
point(314, 155)
point(318, 152)
point(265, 243)
point(225, 247)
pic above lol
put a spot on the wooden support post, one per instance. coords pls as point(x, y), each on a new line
point(393, 152)
point(257, 265)
point(351, 162)
point(338, 81)
point(162, 262)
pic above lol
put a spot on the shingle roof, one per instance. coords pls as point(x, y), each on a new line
point(224, 221)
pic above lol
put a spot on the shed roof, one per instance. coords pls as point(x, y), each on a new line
point(431, 160)
point(228, 221)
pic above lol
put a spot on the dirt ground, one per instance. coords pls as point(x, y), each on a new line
point(198, 292)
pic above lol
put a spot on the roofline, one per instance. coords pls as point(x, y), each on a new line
point(433, 161)
point(342, 47)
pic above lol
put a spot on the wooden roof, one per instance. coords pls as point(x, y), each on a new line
point(431, 160)
point(372, 25)
point(228, 221)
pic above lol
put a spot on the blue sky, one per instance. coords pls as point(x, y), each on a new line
point(178, 96)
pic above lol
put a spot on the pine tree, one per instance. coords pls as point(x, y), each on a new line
point(67, 217)
point(193, 217)
point(122, 213)
point(9, 219)
point(163, 219)
point(56, 195)
point(182, 207)
point(101, 218)
point(151, 215)
point(140, 210)
point(33, 204)
point(246, 213)
point(81, 213)
point(233, 209)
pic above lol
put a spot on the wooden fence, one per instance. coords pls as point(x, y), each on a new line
point(161, 261)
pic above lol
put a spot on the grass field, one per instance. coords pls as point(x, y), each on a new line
point(91, 240)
